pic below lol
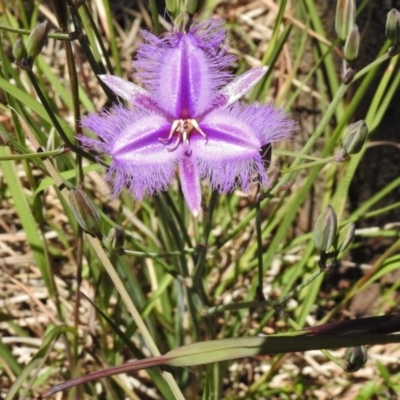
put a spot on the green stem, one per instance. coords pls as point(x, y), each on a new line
point(45, 154)
point(308, 165)
point(54, 120)
point(26, 32)
point(159, 255)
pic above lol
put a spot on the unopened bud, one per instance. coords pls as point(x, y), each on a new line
point(195, 6)
point(356, 358)
point(325, 230)
point(345, 237)
point(354, 137)
point(37, 39)
point(174, 6)
point(19, 51)
point(393, 26)
point(345, 17)
point(114, 241)
point(85, 211)
point(352, 44)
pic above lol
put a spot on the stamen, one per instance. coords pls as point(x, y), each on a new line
point(196, 126)
point(171, 132)
point(183, 128)
point(176, 144)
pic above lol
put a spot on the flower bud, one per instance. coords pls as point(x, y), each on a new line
point(195, 6)
point(393, 26)
point(356, 358)
point(85, 211)
point(114, 241)
point(352, 44)
point(19, 51)
point(37, 39)
point(325, 230)
point(174, 6)
point(345, 17)
point(346, 236)
point(354, 137)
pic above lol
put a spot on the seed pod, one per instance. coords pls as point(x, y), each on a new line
point(356, 358)
point(352, 44)
point(37, 39)
point(354, 137)
point(85, 211)
point(345, 237)
point(392, 30)
point(345, 17)
point(325, 230)
point(114, 241)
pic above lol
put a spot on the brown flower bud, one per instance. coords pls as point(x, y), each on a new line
point(37, 39)
point(352, 44)
point(345, 17)
point(325, 231)
point(85, 211)
point(114, 241)
point(393, 26)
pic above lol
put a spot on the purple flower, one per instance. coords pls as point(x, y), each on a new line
point(187, 115)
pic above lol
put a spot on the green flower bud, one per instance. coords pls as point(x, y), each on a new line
point(114, 241)
point(85, 211)
point(352, 44)
point(345, 237)
point(354, 137)
point(19, 51)
point(174, 6)
point(345, 17)
point(356, 358)
point(195, 6)
point(37, 39)
point(393, 26)
point(325, 231)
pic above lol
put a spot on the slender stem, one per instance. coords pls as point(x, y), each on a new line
point(26, 32)
point(54, 120)
point(30, 156)
point(141, 254)
point(263, 303)
point(259, 250)
point(308, 165)
point(298, 288)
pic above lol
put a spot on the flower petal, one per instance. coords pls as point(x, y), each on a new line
point(241, 85)
point(190, 182)
point(130, 92)
point(140, 161)
point(183, 71)
point(230, 156)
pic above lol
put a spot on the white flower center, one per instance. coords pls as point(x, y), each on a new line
point(182, 128)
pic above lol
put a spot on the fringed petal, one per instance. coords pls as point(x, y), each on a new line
point(190, 182)
point(140, 161)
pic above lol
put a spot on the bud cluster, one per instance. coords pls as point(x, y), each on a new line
point(347, 31)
